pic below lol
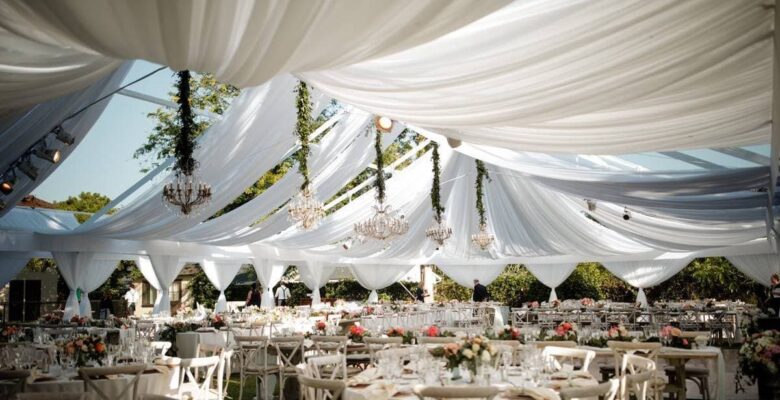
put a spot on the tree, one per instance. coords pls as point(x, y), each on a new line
point(85, 202)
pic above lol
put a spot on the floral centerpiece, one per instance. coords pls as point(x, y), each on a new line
point(79, 321)
point(671, 336)
point(532, 304)
point(508, 333)
point(407, 336)
point(434, 331)
point(9, 333)
point(472, 353)
point(759, 360)
point(563, 332)
point(616, 332)
point(356, 333)
point(52, 319)
point(586, 302)
point(555, 303)
point(85, 349)
point(320, 327)
point(216, 321)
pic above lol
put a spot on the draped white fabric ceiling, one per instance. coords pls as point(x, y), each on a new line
point(551, 76)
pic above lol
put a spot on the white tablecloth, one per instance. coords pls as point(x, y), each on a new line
point(187, 342)
point(151, 383)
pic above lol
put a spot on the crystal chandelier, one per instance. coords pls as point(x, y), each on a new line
point(439, 231)
point(185, 193)
point(305, 209)
point(386, 224)
point(482, 239)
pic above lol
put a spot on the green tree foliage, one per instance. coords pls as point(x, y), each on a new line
point(706, 278)
point(85, 202)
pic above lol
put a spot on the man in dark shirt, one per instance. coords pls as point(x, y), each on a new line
point(419, 294)
point(480, 292)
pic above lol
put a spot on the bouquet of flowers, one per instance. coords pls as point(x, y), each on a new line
point(9, 333)
point(356, 333)
point(508, 333)
point(395, 332)
point(52, 319)
point(434, 331)
point(472, 353)
point(563, 332)
point(79, 321)
point(759, 356)
point(320, 326)
point(670, 336)
point(617, 331)
point(532, 304)
point(586, 302)
point(555, 303)
point(86, 348)
point(217, 322)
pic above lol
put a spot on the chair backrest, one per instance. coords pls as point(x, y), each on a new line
point(636, 372)
point(224, 370)
point(51, 396)
point(208, 350)
point(325, 345)
point(438, 340)
point(606, 391)
point(189, 366)
point(17, 377)
point(160, 347)
point(563, 343)
point(333, 366)
point(468, 392)
point(619, 349)
point(92, 376)
point(320, 389)
point(250, 349)
point(289, 349)
point(555, 355)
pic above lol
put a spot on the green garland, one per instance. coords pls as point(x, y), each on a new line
point(435, 195)
point(379, 184)
point(185, 144)
point(482, 174)
point(303, 130)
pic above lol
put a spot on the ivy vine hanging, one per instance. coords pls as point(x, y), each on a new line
point(482, 239)
point(439, 232)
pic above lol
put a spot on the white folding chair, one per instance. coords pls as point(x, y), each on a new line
point(95, 379)
point(320, 389)
point(160, 348)
point(190, 383)
point(556, 356)
point(606, 391)
point(289, 350)
point(636, 375)
point(253, 360)
point(460, 392)
point(331, 367)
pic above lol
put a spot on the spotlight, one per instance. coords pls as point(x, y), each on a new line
point(7, 185)
point(626, 214)
point(63, 136)
point(347, 243)
point(591, 205)
point(50, 155)
point(29, 169)
point(2, 205)
point(383, 124)
point(454, 143)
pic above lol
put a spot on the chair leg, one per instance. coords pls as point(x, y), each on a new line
point(241, 380)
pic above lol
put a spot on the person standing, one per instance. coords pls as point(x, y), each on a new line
point(774, 294)
point(480, 292)
point(282, 295)
point(419, 294)
point(131, 297)
point(255, 296)
point(106, 307)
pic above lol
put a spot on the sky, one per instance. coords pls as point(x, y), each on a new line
point(104, 162)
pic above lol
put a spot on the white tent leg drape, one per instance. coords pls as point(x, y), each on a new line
point(464, 275)
point(646, 273)
point(269, 272)
point(315, 275)
point(82, 271)
point(375, 277)
point(164, 269)
point(220, 274)
point(759, 267)
point(551, 275)
point(10, 265)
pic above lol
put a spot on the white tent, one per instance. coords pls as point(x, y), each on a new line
point(552, 95)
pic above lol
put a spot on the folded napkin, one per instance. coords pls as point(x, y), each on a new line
point(569, 383)
point(380, 391)
point(535, 393)
point(570, 374)
point(366, 377)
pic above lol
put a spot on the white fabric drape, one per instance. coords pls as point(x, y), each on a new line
point(582, 77)
point(646, 273)
point(164, 269)
point(243, 43)
point(269, 272)
point(315, 275)
point(464, 275)
point(23, 129)
point(759, 267)
point(220, 274)
point(11, 264)
point(551, 275)
point(375, 277)
point(82, 270)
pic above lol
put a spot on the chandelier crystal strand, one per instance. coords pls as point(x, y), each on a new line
point(185, 194)
point(304, 209)
point(385, 224)
point(439, 232)
point(482, 239)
